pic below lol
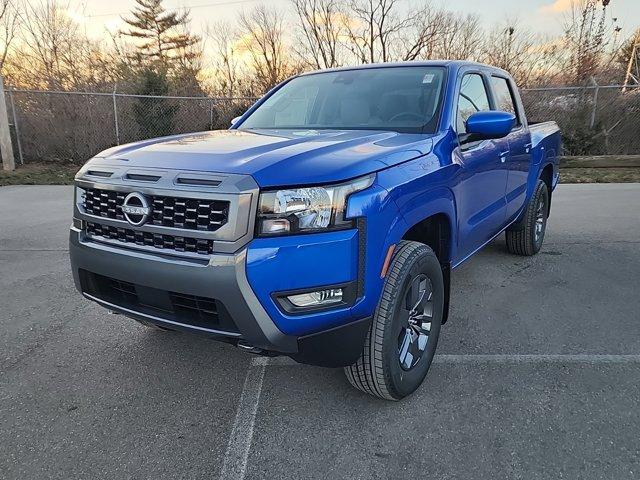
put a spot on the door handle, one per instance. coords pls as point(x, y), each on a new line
point(503, 156)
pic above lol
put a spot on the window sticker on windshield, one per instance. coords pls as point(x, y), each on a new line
point(428, 78)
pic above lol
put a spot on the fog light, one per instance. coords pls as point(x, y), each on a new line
point(78, 224)
point(319, 298)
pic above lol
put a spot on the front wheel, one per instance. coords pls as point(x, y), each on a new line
point(527, 236)
point(403, 336)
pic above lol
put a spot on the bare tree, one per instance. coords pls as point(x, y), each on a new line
point(187, 65)
point(378, 31)
point(263, 38)
point(47, 32)
point(423, 39)
point(373, 28)
point(226, 59)
point(9, 25)
point(321, 25)
point(462, 40)
point(54, 52)
point(587, 38)
point(531, 59)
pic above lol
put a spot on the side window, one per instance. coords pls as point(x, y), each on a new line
point(504, 97)
point(472, 98)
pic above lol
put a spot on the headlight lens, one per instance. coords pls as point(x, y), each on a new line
point(295, 210)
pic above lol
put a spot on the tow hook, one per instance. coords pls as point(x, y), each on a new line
point(249, 348)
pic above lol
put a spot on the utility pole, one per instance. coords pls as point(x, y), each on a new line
point(633, 69)
point(6, 149)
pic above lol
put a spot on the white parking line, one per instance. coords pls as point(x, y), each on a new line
point(234, 466)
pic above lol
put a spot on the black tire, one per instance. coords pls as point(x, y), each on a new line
point(379, 371)
point(526, 237)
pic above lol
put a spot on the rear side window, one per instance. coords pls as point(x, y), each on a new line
point(503, 96)
point(473, 98)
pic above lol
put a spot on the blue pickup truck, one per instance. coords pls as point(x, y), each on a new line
point(325, 223)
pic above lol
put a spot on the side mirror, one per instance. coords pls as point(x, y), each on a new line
point(235, 120)
point(490, 124)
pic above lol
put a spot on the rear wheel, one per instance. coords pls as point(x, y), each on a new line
point(527, 236)
point(403, 336)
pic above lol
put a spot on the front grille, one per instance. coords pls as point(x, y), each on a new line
point(103, 203)
point(179, 307)
point(126, 290)
point(201, 307)
point(161, 241)
point(177, 212)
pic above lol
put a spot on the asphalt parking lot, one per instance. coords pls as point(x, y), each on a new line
point(537, 374)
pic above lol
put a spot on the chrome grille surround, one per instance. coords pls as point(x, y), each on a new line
point(193, 213)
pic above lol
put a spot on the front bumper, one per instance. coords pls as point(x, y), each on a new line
point(332, 338)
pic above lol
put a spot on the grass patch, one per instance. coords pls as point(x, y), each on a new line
point(39, 174)
point(601, 161)
point(600, 175)
point(62, 174)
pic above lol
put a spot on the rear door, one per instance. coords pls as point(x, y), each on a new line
point(482, 181)
point(518, 143)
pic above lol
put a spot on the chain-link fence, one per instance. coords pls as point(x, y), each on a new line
point(594, 120)
point(73, 126)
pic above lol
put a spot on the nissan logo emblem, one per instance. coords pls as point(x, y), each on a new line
point(136, 209)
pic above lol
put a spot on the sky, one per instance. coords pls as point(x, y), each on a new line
point(543, 16)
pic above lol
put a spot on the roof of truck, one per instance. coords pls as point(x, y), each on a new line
point(414, 63)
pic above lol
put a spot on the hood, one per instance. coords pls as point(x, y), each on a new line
point(275, 157)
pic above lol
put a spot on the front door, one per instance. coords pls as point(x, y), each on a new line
point(480, 191)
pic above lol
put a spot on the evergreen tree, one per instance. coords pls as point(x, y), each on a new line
point(165, 53)
point(161, 36)
point(154, 116)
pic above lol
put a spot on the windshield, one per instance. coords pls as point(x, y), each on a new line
point(403, 99)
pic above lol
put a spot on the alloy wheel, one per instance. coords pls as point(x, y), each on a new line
point(416, 315)
point(540, 219)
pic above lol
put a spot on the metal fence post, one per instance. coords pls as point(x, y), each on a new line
point(115, 115)
point(6, 149)
point(16, 127)
point(210, 114)
point(595, 103)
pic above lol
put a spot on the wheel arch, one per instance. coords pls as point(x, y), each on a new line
point(546, 175)
point(437, 232)
point(434, 231)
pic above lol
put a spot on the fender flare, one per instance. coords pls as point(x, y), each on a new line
point(438, 201)
point(517, 224)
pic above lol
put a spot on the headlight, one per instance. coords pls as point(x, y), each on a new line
point(295, 210)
